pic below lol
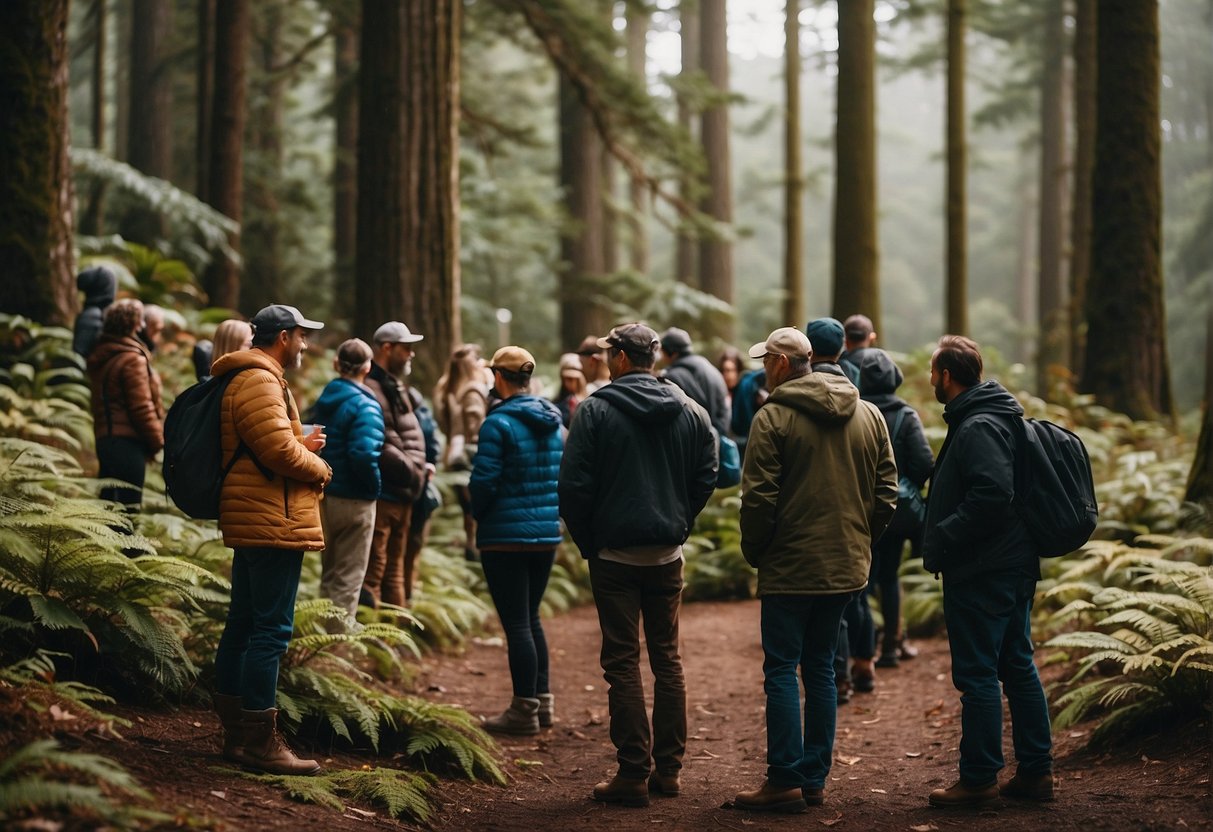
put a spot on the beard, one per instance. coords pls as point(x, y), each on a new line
point(296, 361)
point(940, 396)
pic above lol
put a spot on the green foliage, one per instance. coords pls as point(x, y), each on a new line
point(402, 794)
point(44, 395)
point(715, 566)
point(35, 677)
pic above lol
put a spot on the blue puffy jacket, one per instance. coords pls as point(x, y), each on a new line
point(513, 481)
point(353, 421)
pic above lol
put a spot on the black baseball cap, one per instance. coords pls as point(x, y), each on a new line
point(278, 317)
point(634, 339)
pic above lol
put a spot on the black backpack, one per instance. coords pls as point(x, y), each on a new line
point(911, 511)
point(193, 451)
point(1054, 489)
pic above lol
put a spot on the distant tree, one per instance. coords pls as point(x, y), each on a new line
point(345, 164)
point(793, 211)
point(1083, 164)
point(35, 176)
point(226, 189)
point(856, 278)
point(686, 251)
point(1200, 479)
point(581, 246)
point(93, 217)
point(956, 318)
point(715, 249)
point(638, 193)
point(149, 115)
point(205, 96)
point(1052, 317)
point(1126, 363)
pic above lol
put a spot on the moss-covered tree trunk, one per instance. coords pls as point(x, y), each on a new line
point(956, 291)
point(1051, 311)
point(638, 192)
point(1084, 162)
point(1126, 363)
point(149, 116)
point(345, 166)
point(856, 278)
point(716, 250)
point(793, 193)
point(581, 246)
point(686, 251)
point(226, 189)
point(35, 175)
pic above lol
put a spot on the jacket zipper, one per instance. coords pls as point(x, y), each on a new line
point(286, 506)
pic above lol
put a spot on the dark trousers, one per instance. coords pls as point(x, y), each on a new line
point(989, 621)
point(624, 594)
point(122, 458)
point(516, 581)
point(886, 562)
point(259, 624)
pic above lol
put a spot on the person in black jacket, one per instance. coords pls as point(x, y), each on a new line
point(879, 379)
point(697, 377)
point(990, 567)
point(99, 285)
point(639, 465)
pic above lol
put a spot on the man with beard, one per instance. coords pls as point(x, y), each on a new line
point(402, 466)
point(989, 563)
point(269, 512)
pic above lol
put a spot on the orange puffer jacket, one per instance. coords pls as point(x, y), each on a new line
point(283, 510)
point(126, 392)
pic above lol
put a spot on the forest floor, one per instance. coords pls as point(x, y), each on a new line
point(893, 746)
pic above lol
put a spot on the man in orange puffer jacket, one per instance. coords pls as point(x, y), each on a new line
point(269, 511)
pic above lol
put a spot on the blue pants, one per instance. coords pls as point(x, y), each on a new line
point(516, 581)
point(989, 631)
point(259, 624)
point(800, 631)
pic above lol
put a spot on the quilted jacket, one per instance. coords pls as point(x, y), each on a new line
point(402, 463)
point(126, 392)
point(353, 422)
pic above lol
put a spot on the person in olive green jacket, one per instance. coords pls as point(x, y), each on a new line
point(819, 484)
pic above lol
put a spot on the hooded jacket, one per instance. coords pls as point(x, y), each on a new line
point(279, 508)
point(972, 527)
point(126, 392)
point(99, 285)
point(639, 465)
point(703, 383)
point(879, 379)
point(353, 422)
point(402, 462)
point(818, 486)
point(514, 476)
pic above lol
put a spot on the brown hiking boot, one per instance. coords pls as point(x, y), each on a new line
point(768, 798)
point(228, 708)
point(667, 784)
point(1027, 787)
point(961, 796)
point(813, 797)
point(264, 748)
point(843, 684)
point(521, 718)
point(863, 677)
point(623, 790)
point(547, 710)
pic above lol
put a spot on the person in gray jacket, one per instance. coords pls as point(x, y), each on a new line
point(697, 377)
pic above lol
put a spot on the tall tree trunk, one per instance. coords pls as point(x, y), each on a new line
point(686, 248)
point(581, 244)
point(610, 215)
point(638, 234)
point(35, 176)
point(1025, 272)
point(1200, 479)
point(1052, 347)
point(205, 69)
point(1126, 365)
point(93, 218)
point(122, 75)
point(956, 318)
point(856, 252)
point(1084, 162)
point(261, 237)
point(345, 167)
point(793, 189)
point(716, 249)
point(226, 188)
point(149, 131)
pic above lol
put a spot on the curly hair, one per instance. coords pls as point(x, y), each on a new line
point(123, 318)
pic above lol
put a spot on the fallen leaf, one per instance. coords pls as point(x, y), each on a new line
point(831, 821)
point(358, 811)
point(704, 754)
point(220, 795)
point(527, 763)
point(436, 689)
point(701, 709)
point(878, 791)
point(588, 687)
point(934, 710)
point(913, 754)
point(870, 721)
point(849, 761)
point(61, 715)
point(924, 827)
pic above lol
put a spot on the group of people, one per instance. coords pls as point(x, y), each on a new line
point(626, 457)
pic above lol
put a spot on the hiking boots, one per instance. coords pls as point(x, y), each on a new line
point(521, 718)
point(547, 710)
point(888, 658)
point(863, 677)
point(264, 748)
point(667, 784)
point(905, 650)
point(843, 684)
point(961, 796)
point(228, 708)
point(623, 790)
point(813, 797)
point(1028, 787)
point(770, 798)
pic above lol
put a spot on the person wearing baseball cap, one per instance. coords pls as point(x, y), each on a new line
point(592, 366)
point(572, 387)
point(698, 378)
point(818, 484)
point(639, 466)
point(517, 511)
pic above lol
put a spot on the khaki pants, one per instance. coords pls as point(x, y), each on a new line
point(385, 571)
point(348, 526)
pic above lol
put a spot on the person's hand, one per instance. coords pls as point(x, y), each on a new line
point(315, 440)
point(430, 470)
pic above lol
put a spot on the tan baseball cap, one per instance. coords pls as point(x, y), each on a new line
point(787, 340)
point(514, 359)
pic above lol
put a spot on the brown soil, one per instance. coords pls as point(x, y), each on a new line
point(893, 747)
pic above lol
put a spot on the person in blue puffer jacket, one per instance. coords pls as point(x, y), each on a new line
point(517, 510)
point(353, 423)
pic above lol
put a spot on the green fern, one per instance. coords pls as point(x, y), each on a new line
point(401, 794)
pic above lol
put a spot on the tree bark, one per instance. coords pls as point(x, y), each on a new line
point(956, 318)
point(1200, 479)
point(637, 50)
point(226, 188)
point(345, 168)
point(716, 250)
point(1025, 274)
point(686, 249)
point(1084, 162)
point(610, 215)
point(149, 115)
point(581, 244)
point(122, 74)
point(1126, 366)
point(35, 175)
point(856, 252)
point(93, 218)
point(1051, 314)
point(205, 96)
point(793, 191)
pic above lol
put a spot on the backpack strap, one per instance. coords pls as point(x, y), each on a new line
point(241, 447)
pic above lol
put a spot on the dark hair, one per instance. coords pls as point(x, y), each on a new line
point(961, 357)
point(264, 336)
point(517, 379)
point(640, 360)
point(352, 356)
point(122, 317)
point(731, 354)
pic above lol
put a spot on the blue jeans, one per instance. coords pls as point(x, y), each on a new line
point(800, 630)
point(990, 633)
point(259, 624)
point(516, 581)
